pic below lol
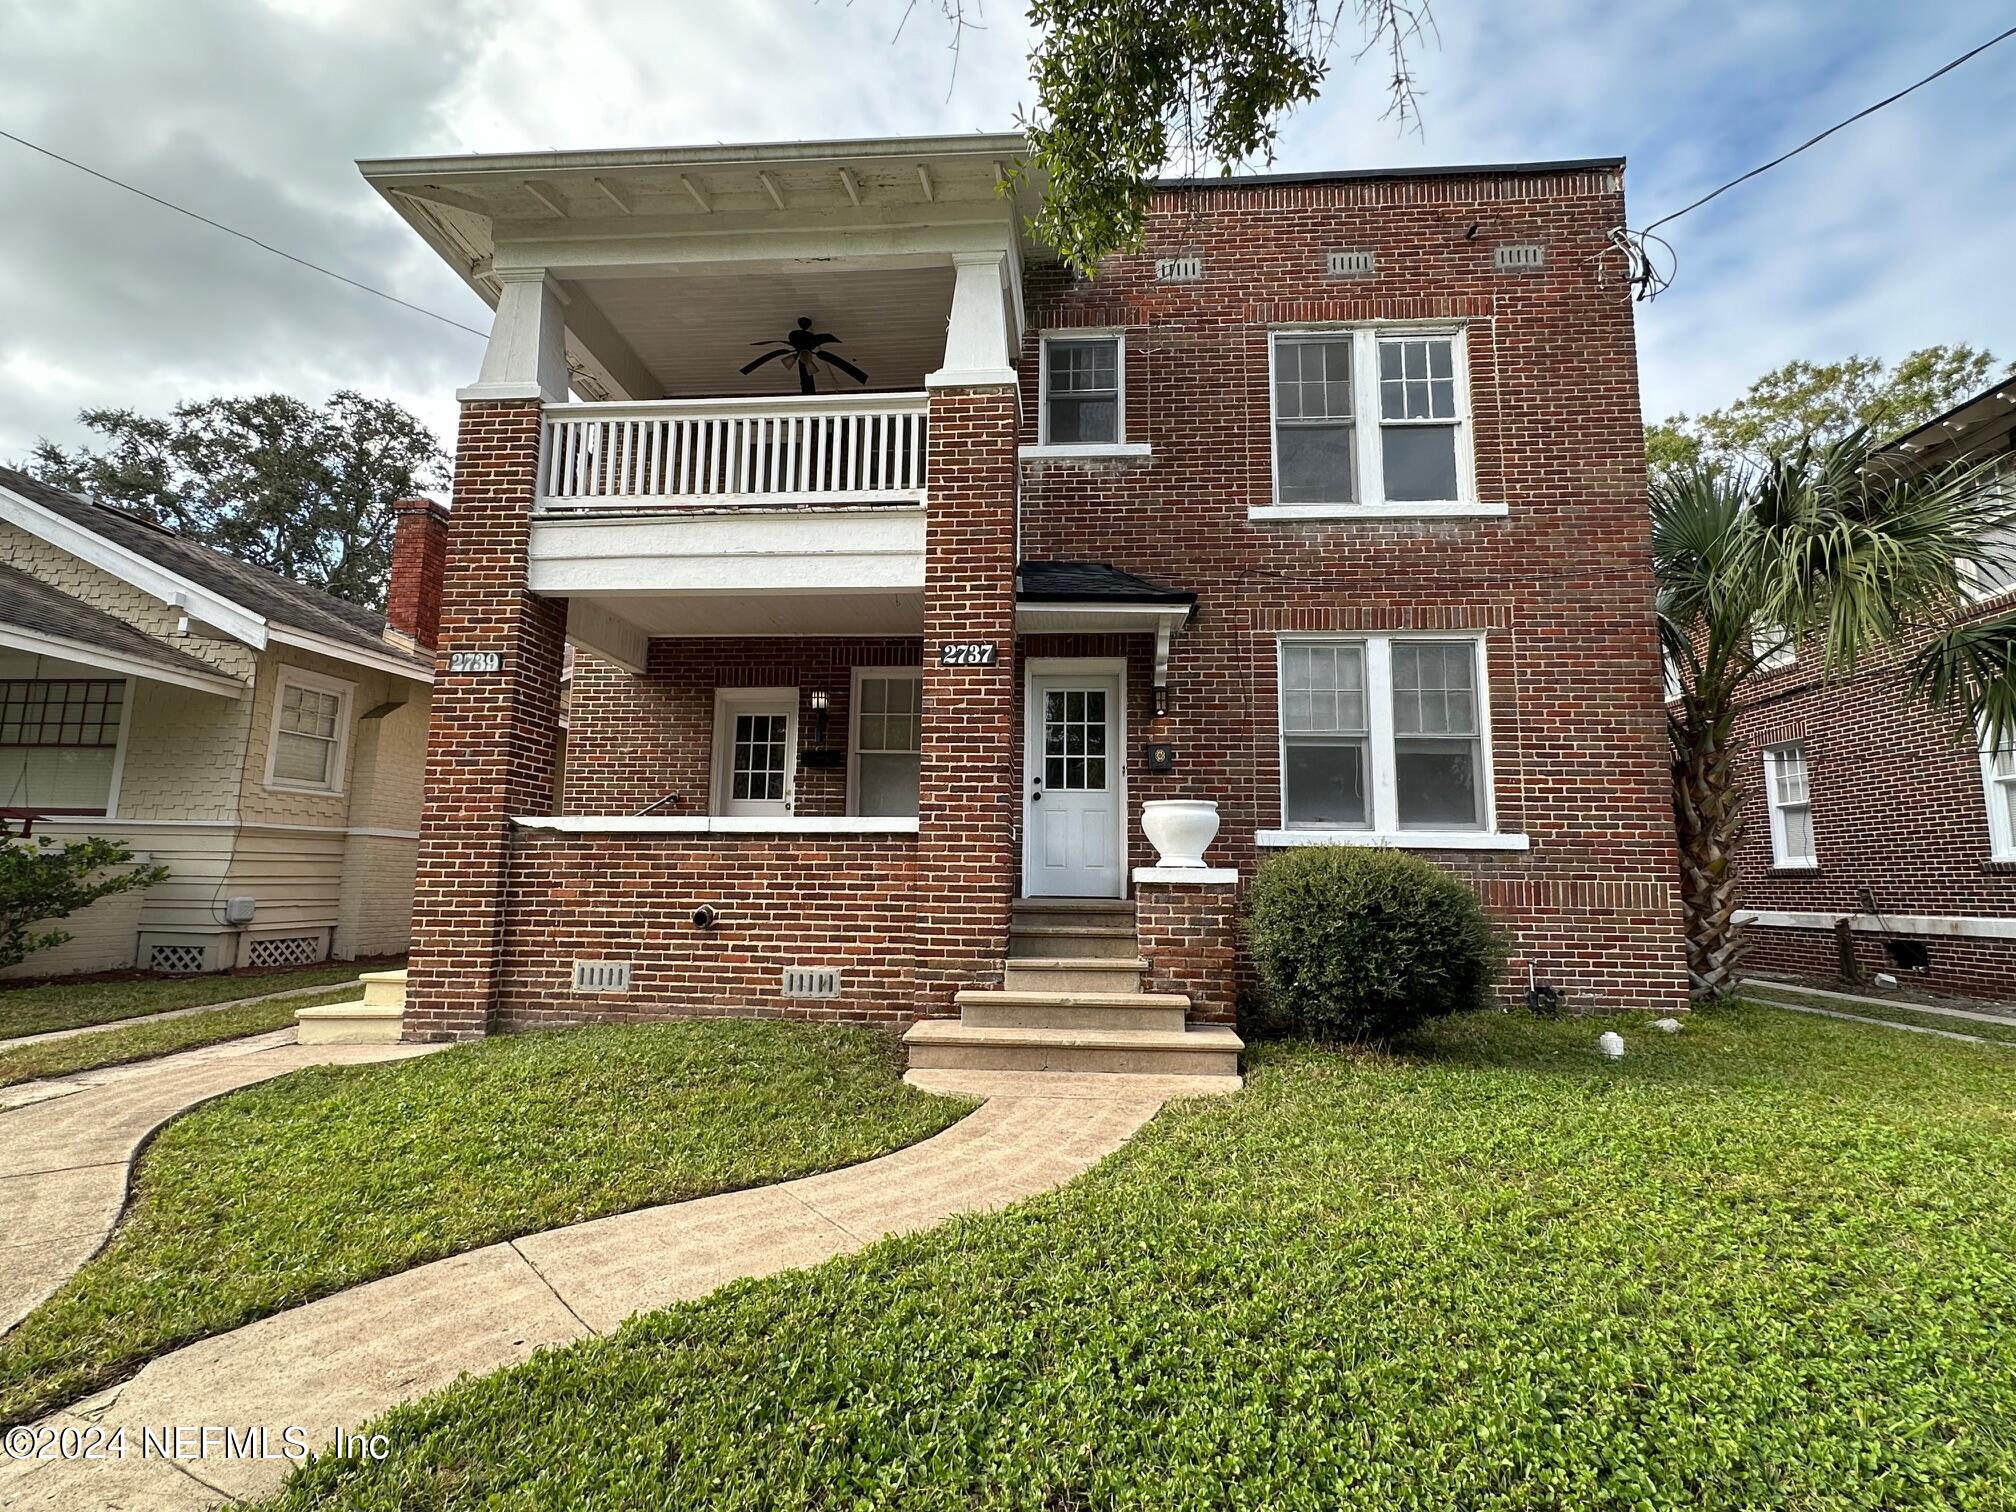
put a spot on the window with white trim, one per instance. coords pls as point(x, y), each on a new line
point(1790, 794)
point(311, 732)
point(1083, 381)
point(1384, 733)
point(1991, 570)
point(59, 742)
point(888, 731)
point(1773, 649)
point(1372, 416)
point(1998, 779)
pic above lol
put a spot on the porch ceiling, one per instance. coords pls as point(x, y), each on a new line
point(694, 330)
point(709, 614)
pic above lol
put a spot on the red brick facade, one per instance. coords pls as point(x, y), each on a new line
point(1189, 934)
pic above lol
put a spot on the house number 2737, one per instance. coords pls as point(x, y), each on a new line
point(966, 654)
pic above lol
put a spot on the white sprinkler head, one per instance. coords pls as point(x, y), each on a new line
point(1611, 1044)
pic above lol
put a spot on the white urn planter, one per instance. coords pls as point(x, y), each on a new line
point(1179, 829)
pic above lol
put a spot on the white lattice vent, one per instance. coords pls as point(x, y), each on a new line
point(601, 976)
point(284, 950)
point(1178, 269)
point(1518, 257)
point(1350, 264)
point(176, 958)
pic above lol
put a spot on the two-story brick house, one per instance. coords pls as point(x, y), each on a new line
point(1327, 507)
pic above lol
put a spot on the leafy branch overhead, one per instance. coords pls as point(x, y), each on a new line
point(1127, 90)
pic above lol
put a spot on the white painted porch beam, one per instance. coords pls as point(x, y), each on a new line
point(527, 355)
point(646, 246)
point(596, 628)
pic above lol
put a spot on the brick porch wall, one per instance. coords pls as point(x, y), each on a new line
point(783, 900)
point(491, 744)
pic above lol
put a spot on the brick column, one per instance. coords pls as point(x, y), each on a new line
point(1187, 921)
point(969, 776)
point(491, 744)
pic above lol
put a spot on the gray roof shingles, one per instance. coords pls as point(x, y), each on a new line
point(1090, 582)
point(33, 605)
point(264, 593)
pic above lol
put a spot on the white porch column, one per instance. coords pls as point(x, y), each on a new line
point(527, 355)
point(979, 346)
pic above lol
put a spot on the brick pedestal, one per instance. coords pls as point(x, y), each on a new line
point(492, 742)
point(968, 780)
point(1187, 921)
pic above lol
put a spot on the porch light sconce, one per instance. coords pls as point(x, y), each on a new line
point(821, 702)
point(1161, 700)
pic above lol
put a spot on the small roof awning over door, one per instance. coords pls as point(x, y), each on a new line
point(44, 621)
point(1096, 598)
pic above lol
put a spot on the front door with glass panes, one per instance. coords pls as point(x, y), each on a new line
point(755, 752)
point(1074, 814)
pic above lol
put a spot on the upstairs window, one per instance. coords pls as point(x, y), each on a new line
point(311, 732)
point(1082, 387)
point(1773, 649)
point(888, 728)
point(1998, 777)
point(1373, 419)
point(1991, 570)
point(1791, 799)
point(59, 743)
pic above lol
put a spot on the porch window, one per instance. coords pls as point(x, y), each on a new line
point(888, 729)
point(59, 743)
point(311, 730)
point(1082, 391)
point(1791, 799)
point(1384, 733)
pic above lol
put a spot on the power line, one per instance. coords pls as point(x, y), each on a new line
point(1838, 125)
point(242, 236)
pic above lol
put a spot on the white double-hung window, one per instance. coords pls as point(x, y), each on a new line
point(1791, 798)
point(888, 729)
point(1385, 735)
point(310, 733)
point(1998, 779)
point(1082, 383)
point(1372, 420)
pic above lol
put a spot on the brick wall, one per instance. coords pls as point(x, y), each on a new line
point(827, 900)
point(1898, 808)
point(1561, 586)
point(491, 743)
point(1189, 935)
point(419, 555)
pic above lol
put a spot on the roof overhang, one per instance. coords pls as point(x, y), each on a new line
point(1092, 617)
point(1964, 427)
point(39, 643)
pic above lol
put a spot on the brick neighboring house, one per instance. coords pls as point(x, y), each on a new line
point(262, 740)
point(1870, 813)
point(879, 679)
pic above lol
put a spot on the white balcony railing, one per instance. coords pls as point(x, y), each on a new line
point(678, 453)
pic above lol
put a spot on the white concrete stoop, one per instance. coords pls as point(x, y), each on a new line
point(375, 1019)
point(1071, 1003)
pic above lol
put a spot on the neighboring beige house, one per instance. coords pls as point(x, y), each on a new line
point(262, 740)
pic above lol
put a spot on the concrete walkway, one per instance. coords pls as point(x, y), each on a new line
point(335, 1364)
point(66, 1145)
point(170, 1013)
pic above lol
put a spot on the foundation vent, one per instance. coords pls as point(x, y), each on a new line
point(601, 976)
point(811, 981)
point(1178, 269)
point(284, 950)
point(176, 958)
point(1350, 264)
point(1518, 257)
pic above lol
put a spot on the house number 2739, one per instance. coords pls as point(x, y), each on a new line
point(966, 654)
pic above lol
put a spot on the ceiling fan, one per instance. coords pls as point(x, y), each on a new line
point(803, 350)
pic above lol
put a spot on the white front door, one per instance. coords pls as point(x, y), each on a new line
point(1074, 841)
point(755, 751)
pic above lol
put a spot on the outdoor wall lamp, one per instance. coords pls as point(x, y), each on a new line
point(821, 702)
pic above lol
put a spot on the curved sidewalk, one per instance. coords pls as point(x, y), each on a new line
point(66, 1145)
point(335, 1364)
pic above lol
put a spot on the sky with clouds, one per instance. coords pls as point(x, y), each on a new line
point(1891, 236)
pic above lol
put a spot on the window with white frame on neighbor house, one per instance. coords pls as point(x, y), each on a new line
point(888, 730)
point(1383, 733)
point(1998, 778)
point(59, 743)
point(1991, 570)
point(1372, 417)
point(1082, 379)
point(311, 719)
point(1788, 789)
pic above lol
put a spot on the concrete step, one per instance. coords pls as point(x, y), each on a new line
point(1146, 1012)
point(358, 1023)
point(1059, 913)
point(1037, 974)
point(1065, 942)
point(385, 989)
point(1201, 1050)
point(1101, 1086)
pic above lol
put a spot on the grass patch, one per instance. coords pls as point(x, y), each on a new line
point(1907, 1013)
point(298, 1187)
point(73, 1003)
point(1767, 1261)
point(138, 1042)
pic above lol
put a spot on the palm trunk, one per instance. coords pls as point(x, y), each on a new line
point(1708, 812)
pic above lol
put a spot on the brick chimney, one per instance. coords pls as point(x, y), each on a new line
point(419, 553)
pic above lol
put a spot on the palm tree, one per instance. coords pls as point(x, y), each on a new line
point(1848, 553)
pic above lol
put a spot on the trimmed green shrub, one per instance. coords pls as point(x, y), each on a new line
point(1363, 943)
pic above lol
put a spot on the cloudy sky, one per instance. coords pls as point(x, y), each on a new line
point(1893, 235)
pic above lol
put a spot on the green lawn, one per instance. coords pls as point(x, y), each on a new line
point(300, 1186)
point(73, 1004)
point(1769, 1261)
point(136, 1042)
point(1906, 1013)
